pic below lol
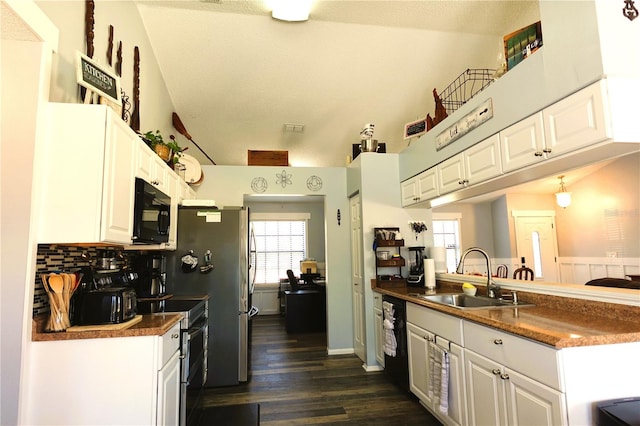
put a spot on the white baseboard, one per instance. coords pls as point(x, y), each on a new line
point(344, 351)
point(372, 368)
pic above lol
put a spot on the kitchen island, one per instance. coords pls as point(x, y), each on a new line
point(544, 364)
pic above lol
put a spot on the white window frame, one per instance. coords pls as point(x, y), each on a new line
point(286, 217)
point(452, 216)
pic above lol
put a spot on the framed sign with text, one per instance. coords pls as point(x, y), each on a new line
point(97, 79)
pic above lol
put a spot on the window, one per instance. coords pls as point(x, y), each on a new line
point(446, 233)
point(279, 245)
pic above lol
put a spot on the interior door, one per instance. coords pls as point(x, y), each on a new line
point(357, 277)
point(536, 241)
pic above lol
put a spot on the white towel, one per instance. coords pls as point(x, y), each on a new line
point(438, 380)
point(444, 383)
point(390, 343)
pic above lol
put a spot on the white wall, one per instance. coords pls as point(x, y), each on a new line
point(26, 61)
point(376, 177)
point(228, 185)
point(156, 105)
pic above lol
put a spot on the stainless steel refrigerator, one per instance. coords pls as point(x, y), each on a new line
point(219, 239)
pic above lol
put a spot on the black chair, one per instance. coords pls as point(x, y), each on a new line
point(614, 282)
point(523, 273)
point(293, 281)
point(502, 271)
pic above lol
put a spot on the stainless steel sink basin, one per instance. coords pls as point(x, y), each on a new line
point(463, 301)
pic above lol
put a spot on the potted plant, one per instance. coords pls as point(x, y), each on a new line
point(170, 152)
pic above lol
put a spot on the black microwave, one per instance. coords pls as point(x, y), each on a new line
point(151, 214)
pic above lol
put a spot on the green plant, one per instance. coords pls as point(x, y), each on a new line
point(155, 138)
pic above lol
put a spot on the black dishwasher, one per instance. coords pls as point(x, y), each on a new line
point(397, 367)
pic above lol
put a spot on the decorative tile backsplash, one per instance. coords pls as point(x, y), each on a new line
point(55, 258)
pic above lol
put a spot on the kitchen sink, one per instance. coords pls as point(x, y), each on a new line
point(464, 301)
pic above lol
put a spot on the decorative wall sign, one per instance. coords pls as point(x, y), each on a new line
point(466, 124)
point(259, 185)
point(93, 77)
point(314, 183)
point(415, 129)
point(629, 10)
point(338, 217)
point(284, 179)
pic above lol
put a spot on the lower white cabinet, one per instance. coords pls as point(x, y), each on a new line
point(419, 343)
point(498, 395)
point(114, 381)
point(511, 380)
point(378, 322)
point(426, 331)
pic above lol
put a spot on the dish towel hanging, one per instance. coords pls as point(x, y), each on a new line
point(438, 380)
point(390, 343)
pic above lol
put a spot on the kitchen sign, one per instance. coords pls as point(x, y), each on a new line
point(93, 77)
point(466, 124)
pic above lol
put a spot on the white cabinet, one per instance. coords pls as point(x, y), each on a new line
point(476, 164)
point(85, 176)
point(503, 387)
point(422, 187)
point(378, 323)
point(115, 381)
point(152, 169)
point(426, 331)
point(522, 144)
point(576, 121)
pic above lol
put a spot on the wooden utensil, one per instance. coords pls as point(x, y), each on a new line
point(177, 124)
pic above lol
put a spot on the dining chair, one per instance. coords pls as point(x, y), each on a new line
point(523, 273)
point(293, 280)
point(502, 271)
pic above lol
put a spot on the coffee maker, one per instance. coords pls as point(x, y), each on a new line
point(152, 275)
point(416, 267)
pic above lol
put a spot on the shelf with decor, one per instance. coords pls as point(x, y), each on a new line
point(386, 238)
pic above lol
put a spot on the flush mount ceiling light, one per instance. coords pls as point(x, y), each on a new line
point(290, 10)
point(563, 198)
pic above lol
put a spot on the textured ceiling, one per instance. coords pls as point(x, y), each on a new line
point(237, 76)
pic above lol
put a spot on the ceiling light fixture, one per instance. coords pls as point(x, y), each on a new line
point(290, 10)
point(563, 198)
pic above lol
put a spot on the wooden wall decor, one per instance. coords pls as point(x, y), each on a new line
point(135, 115)
point(89, 21)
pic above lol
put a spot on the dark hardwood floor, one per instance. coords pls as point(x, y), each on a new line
point(296, 382)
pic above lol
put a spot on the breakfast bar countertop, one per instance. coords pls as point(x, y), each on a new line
point(149, 325)
point(560, 322)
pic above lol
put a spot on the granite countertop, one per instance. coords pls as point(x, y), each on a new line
point(560, 322)
point(150, 325)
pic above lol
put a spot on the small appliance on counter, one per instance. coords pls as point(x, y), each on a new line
point(106, 305)
point(152, 275)
point(416, 267)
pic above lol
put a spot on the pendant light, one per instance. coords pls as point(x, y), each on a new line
point(563, 198)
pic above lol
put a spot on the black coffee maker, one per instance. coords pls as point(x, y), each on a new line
point(416, 267)
point(152, 275)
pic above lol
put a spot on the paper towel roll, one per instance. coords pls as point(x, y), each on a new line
point(439, 254)
point(429, 273)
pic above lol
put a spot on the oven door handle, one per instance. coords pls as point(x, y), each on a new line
point(197, 329)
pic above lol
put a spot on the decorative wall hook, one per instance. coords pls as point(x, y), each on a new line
point(417, 227)
point(629, 10)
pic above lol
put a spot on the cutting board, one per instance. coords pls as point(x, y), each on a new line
point(107, 327)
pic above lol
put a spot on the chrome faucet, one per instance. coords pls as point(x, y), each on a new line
point(492, 288)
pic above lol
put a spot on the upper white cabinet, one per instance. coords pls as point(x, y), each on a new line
point(576, 121)
point(86, 176)
point(474, 165)
point(420, 188)
point(523, 143)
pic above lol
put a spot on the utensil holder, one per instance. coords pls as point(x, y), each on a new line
point(59, 314)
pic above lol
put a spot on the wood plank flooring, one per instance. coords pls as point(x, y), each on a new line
point(297, 383)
